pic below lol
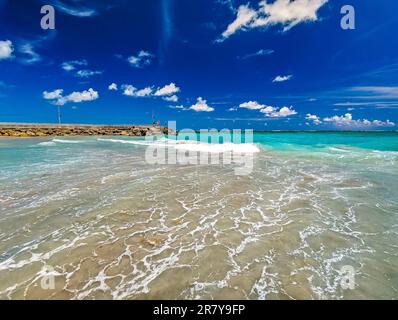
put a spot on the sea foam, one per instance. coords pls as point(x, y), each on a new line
point(194, 146)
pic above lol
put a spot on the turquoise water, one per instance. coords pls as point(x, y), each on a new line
point(15, 149)
point(111, 225)
point(381, 141)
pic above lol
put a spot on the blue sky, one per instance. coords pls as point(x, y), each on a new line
point(266, 65)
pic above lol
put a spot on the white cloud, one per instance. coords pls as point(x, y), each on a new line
point(282, 78)
point(379, 123)
point(252, 105)
point(56, 94)
point(172, 98)
point(71, 65)
point(261, 52)
point(287, 13)
point(375, 89)
point(131, 91)
point(144, 92)
point(28, 50)
point(281, 113)
point(168, 90)
point(181, 107)
point(201, 106)
point(347, 121)
point(314, 118)
point(340, 120)
point(67, 67)
point(6, 49)
point(244, 18)
point(144, 58)
point(378, 91)
point(269, 111)
point(113, 86)
point(378, 104)
point(87, 95)
point(347, 104)
point(81, 12)
point(76, 97)
point(87, 73)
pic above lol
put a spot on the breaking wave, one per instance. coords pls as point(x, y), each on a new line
point(195, 146)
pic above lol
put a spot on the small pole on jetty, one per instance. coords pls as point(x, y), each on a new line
point(59, 114)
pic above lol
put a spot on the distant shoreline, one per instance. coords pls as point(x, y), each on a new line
point(26, 130)
point(12, 129)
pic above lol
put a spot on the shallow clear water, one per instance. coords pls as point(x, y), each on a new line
point(112, 226)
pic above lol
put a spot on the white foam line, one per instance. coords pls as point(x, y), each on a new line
point(67, 141)
point(47, 144)
point(193, 146)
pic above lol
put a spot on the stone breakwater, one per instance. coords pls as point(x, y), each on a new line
point(34, 130)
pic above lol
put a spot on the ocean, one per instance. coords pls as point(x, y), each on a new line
point(90, 218)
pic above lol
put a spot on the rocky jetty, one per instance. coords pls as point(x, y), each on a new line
point(42, 130)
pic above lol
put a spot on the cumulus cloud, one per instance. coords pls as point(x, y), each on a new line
point(6, 49)
point(113, 86)
point(168, 90)
point(57, 98)
point(142, 59)
point(87, 95)
point(282, 78)
point(314, 118)
point(287, 13)
point(201, 106)
point(348, 121)
point(281, 113)
point(252, 105)
point(131, 91)
point(56, 94)
point(269, 111)
point(146, 92)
